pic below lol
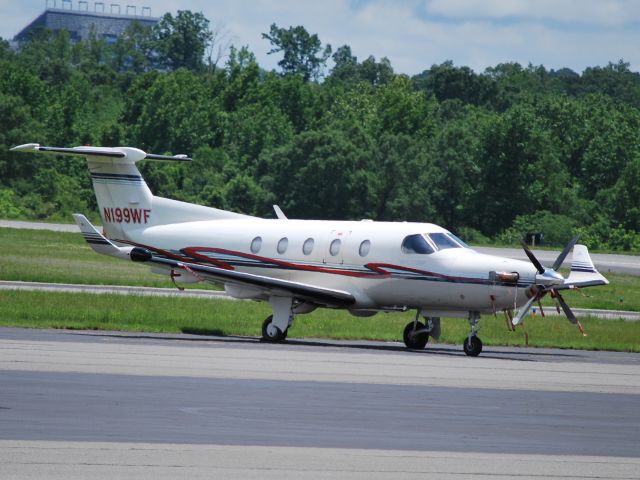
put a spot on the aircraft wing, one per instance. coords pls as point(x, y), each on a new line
point(322, 296)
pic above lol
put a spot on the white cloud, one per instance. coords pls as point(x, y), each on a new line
point(596, 12)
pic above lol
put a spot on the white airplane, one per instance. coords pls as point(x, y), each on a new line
point(297, 266)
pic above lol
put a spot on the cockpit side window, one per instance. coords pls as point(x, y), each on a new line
point(444, 241)
point(416, 244)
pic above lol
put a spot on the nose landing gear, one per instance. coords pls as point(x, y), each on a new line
point(472, 344)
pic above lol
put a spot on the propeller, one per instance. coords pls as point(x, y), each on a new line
point(545, 282)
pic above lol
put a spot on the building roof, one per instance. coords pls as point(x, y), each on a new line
point(79, 23)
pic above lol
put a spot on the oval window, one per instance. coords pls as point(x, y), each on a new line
point(334, 248)
point(282, 245)
point(307, 246)
point(256, 244)
point(365, 246)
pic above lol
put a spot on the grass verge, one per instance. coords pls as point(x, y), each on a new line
point(224, 317)
point(61, 257)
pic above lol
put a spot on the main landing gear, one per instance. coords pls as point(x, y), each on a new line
point(416, 334)
point(276, 326)
point(271, 333)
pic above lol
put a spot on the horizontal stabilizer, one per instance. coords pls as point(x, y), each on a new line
point(583, 272)
point(128, 153)
point(98, 242)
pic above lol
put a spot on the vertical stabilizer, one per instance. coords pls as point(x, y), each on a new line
point(124, 200)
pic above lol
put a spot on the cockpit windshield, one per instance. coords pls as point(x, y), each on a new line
point(431, 242)
point(457, 239)
point(446, 240)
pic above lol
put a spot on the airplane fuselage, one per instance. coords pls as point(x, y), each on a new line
point(365, 258)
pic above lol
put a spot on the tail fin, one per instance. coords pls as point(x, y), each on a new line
point(124, 199)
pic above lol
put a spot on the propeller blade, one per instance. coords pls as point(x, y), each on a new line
point(558, 263)
point(533, 258)
point(567, 311)
point(570, 315)
point(524, 310)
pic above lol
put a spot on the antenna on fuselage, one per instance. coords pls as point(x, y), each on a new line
point(279, 213)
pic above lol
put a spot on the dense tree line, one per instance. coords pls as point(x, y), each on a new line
point(488, 155)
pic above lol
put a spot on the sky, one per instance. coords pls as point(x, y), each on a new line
point(414, 34)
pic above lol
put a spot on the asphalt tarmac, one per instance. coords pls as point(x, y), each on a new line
point(120, 405)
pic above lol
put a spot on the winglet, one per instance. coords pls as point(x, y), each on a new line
point(98, 242)
point(26, 147)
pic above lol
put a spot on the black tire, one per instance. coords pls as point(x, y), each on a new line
point(272, 334)
point(473, 347)
point(415, 342)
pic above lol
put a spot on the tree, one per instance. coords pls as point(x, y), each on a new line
point(624, 197)
point(177, 114)
point(181, 41)
point(303, 53)
point(314, 175)
point(615, 80)
point(346, 64)
point(376, 73)
point(448, 82)
point(133, 49)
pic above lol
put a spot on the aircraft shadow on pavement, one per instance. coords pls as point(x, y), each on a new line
point(530, 355)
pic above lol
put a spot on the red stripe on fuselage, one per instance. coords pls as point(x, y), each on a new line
point(193, 252)
point(377, 269)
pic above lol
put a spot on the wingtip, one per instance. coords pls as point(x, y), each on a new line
point(25, 147)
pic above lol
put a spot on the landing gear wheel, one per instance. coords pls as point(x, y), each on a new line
point(271, 333)
point(415, 342)
point(472, 346)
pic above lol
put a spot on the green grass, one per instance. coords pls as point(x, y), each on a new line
point(60, 257)
point(224, 317)
point(622, 293)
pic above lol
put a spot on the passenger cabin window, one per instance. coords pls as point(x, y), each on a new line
point(444, 241)
point(307, 246)
point(282, 245)
point(365, 246)
point(416, 244)
point(256, 244)
point(334, 248)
